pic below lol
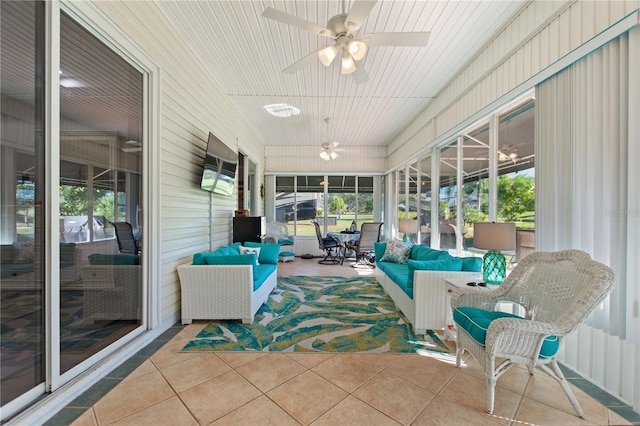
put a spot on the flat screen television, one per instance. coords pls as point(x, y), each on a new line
point(220, 162)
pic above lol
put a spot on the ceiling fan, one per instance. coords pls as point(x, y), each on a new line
point(343, 30)
point(329, 151)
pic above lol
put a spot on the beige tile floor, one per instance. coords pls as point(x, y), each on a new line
point(173, 388)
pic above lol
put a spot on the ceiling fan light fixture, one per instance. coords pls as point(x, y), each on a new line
point(325, 156)
point(357, 49)
point(348, 65)
point(333, 155)
point(327, 55)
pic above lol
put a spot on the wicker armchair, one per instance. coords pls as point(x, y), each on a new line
point(557, 290)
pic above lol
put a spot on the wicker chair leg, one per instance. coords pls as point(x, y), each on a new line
point(565, 387)
point(491, 391)
point(459, 352)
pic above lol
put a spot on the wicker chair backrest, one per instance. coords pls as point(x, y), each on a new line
point(561, 287)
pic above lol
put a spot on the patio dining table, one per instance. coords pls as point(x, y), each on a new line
point(346, 239)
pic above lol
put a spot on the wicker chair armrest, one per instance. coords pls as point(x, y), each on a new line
point(522, 337)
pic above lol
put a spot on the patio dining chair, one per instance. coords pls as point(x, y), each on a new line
point(558, 290)
point(329, 246)
point(363, 247)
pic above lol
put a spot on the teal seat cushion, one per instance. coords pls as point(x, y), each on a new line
point(384, 266)
point(422, 252)
point(114, 259)
point(399, 274)
point(268, 252)
point(285, 242)
point(262, 273)
point(233, 259)
point(476, 322)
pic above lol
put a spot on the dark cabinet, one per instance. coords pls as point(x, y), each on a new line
point(251, 229)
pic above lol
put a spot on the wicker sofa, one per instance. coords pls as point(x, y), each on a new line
point(422, 298)
point(227, 285)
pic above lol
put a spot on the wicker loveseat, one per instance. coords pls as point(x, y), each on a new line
point(417, 287)
point(227, 285)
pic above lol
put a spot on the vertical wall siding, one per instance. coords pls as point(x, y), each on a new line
point(191, 105)
point(541, 34)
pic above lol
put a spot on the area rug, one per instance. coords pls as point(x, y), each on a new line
point(320, 314)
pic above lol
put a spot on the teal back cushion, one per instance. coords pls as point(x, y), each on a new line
point(233, 249)
point(422, 252)
point(453, 264)
point(379, 249)
point(114, 259)
point(233, 259)
point(472, 264)
point(268, 252)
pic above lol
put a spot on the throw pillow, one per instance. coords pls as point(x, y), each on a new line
point(268, 252)
point(396, 252)
point(251, 250)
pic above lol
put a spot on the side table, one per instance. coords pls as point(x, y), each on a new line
point(450, 332)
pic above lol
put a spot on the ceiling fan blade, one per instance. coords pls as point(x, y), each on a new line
point(360, 75)
point(358, 14)
point(286, 18)
point(397, 39)
point(297, 66)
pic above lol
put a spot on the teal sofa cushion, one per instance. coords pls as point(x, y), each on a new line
point(379, 249)
point(199, 258)
point(114, 259)
point(422, 252)
point(262, 273)
point(472, 264)
point(476, 322)
point(268, 252)
point(399, 274)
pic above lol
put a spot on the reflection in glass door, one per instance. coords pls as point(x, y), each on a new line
point(100, 195)
point(22, 199)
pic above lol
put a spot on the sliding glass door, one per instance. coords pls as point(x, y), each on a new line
point(70, 294)
point(22, 185)
point(100, 185)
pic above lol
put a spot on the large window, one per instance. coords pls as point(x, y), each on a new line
point(448, 196)
point(502, 148)
point(333, 201)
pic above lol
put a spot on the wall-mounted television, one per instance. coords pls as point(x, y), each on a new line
point(220, 162)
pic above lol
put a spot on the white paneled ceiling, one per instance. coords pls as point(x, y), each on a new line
point(246, 53)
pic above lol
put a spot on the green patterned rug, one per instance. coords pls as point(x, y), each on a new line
point(320, 314)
